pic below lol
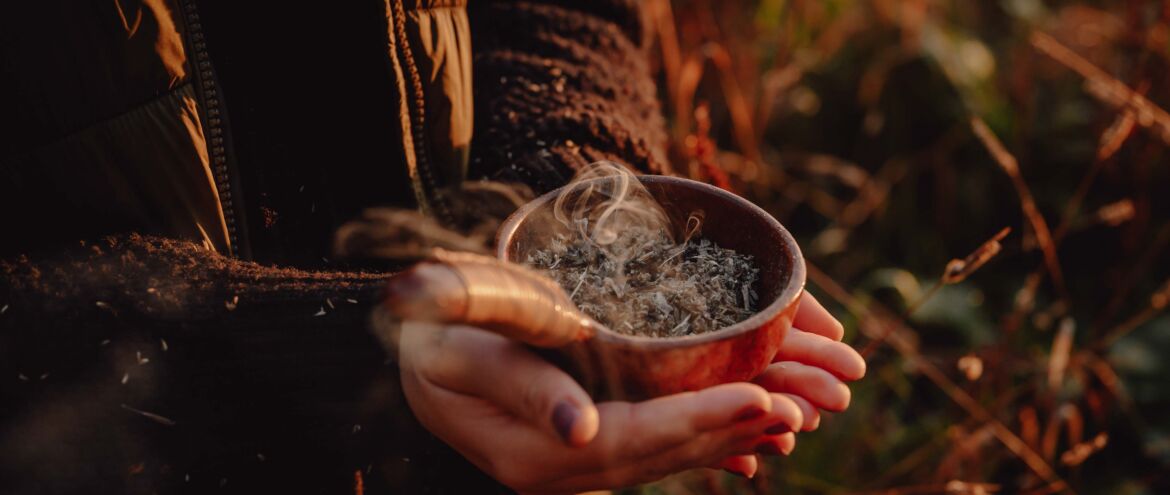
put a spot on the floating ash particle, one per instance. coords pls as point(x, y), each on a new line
point(22, 377)
point(104, 343)
point(141, 360)
point(320, 312)
point(351, 301)
point(107, 307)
point(233, 303)
point(125, 378)
point(4, 309)
point(157, 418)
point(329, 302)
point(163, 344)
point(261, 457)
point(43, 376)
point(357, 429)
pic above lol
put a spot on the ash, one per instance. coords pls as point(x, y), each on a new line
point(663, 289)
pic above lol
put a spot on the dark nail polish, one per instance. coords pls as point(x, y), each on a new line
point(750, 413)
point(768, 448)
point(563, 417)
point(777, 429)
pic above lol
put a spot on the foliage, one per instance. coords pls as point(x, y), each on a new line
point(894, 136)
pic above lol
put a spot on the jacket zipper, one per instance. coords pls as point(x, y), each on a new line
point(431, 201)
point(214, 125)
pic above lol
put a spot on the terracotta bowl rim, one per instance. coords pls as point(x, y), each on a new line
point(788, 296)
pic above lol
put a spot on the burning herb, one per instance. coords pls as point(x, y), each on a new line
point(663, 290)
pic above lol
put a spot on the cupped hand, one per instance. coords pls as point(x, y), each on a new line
point(813, 364)
point(810, 368)
point(530, 426)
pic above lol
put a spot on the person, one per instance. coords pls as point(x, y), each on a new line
point(172, 321)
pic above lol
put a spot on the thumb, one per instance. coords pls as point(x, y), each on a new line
point(507, 374)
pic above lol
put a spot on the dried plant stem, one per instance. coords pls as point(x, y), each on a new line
point(1105, 87)
point(691, 74)
point(957, 270)
point(1161, 240)
point(1158, 303)
point(1027, 203)
point(1005, 435)
point(662, 14)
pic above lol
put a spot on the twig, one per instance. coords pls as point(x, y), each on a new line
point(1105, 87)
point(1158, 302)
point(1121, 295)
point(1009, 165)
point(957, 270)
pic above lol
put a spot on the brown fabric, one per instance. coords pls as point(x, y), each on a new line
point(561, 84)
point(146, 169)
point(266, 377)
point(441, 42)
point(104, 129)
point(68, 64)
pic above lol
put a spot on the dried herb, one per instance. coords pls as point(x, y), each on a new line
point(662, 289)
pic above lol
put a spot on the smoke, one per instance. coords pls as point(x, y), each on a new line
point(606, 206)
point(624, 262)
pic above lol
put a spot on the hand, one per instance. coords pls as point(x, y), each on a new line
point(530, 426)
point(808, 369)
point(813, 362)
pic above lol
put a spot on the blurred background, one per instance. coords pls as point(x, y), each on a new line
point(898, 140)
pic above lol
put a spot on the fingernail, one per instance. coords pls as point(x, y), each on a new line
point(777, 429)
point(787, 449)
point(768, 448)
point(750, 413)
point(563, 417)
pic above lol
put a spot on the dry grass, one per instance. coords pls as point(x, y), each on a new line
point(1020, 391)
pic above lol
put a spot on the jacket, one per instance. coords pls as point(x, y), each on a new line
point(172, 173)
point(191, 119)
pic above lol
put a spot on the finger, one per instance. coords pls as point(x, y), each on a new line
point(820, 351)
point(635, 430)
point(638, 442)
point(705, 450)
point(740, 465)
point(812, 416)
point(782, 444)
point(738, 439)
point(812, 317)
point(737, 442)
point(481, 364)
point(816, 385)
point(787, 415)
